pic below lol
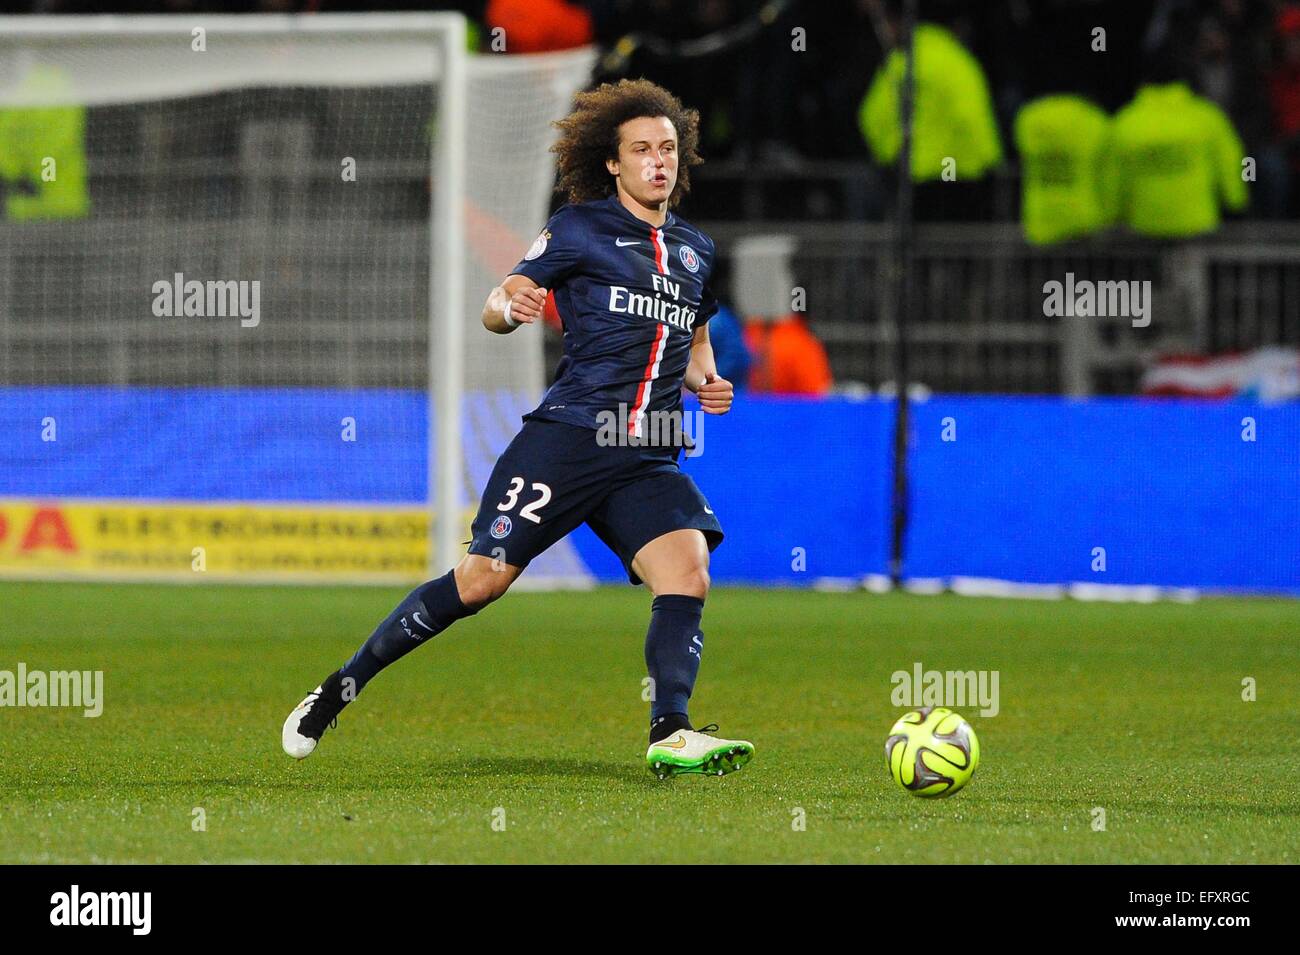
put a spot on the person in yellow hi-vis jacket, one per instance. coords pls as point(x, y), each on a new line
point(1180, 162)
point(43, 155)
point(953, 119)
point(1068, 172)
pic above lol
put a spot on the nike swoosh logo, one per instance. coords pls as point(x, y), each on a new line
point(708, 510)
point(623, 243)
point(416, 617)
point(678, 743)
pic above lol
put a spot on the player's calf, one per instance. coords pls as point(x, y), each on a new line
point(424, 613)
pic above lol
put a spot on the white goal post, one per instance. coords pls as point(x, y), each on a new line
point(283, 99)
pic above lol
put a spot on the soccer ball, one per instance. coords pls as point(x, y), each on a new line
point(932, 752)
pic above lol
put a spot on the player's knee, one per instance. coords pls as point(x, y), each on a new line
point(698, 580)
point(479, 585)
point(691, 580)
point(480, 590)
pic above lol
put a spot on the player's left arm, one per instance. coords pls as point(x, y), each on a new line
point(714, 391)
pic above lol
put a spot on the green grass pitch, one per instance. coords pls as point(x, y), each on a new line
point(534, 708)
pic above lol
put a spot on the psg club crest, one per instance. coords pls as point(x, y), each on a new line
point(501, 527)
point(536, 249)
point(689, 258)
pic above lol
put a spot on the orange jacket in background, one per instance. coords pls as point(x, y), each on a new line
point(538, 26)
point(788, 358)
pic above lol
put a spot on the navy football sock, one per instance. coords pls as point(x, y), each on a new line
point(427, 610)
point(662, 727)
point(672, 654)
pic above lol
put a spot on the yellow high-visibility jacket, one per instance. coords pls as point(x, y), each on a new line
point(43, 162)
point(1068, 168)
point(953, 110)
point(1180, 162)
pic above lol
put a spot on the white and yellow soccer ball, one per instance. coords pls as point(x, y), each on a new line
point(932, 752)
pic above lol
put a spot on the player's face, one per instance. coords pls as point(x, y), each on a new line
point(647, 160)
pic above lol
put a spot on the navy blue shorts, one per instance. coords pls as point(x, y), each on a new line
point(554, 476)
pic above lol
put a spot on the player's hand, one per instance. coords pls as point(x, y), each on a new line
point(526, 305)
point(715, 394)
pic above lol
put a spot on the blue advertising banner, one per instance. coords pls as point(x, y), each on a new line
point(1038, 490)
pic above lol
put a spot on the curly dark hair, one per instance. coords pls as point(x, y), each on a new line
point(589, 137)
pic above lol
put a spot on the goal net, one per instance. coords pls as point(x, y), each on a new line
point(241, 265)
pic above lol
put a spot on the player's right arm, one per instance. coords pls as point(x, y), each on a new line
point(548, 263)
point(516, 301)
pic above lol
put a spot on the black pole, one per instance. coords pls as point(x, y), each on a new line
point(902, 291)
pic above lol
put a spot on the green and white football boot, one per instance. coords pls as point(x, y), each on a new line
point(695, 751)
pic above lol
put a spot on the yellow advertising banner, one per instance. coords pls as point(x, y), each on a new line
point(193, 541)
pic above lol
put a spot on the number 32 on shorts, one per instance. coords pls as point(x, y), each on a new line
point(529, 511)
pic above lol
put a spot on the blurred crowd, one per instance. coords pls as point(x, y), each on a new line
point(760, 102)
point(1160, 116)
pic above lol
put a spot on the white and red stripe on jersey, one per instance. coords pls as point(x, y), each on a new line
point(637, 418)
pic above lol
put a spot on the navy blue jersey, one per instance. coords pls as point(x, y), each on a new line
point(631, 297)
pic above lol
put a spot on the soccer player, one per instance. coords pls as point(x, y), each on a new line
point(630, 281)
